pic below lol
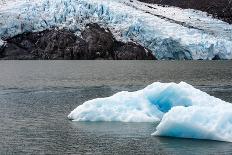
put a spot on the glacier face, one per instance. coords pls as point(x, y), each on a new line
point(1, 42)
point(182, 110)
point(169, 32)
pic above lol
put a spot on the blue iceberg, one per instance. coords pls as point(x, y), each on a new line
point(181, 110)
point(199, 122)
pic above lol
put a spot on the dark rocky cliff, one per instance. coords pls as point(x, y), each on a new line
point(96, 43)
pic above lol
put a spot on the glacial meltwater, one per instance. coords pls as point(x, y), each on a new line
point(37, 96)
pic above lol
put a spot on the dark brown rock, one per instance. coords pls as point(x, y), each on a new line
point(48, 44)
point(100, 42)
point(56, 44)
point(216, 57)
point(132, 51)
point(11, 51)
point(97, 43)
point(80, 50)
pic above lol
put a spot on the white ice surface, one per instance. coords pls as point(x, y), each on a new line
point(168, 31)
point(1, 42)
point(200, 122)
point(183, 111)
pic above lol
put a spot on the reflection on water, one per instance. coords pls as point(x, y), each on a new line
point(33, 120)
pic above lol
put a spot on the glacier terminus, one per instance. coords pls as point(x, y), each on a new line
point(169, 32)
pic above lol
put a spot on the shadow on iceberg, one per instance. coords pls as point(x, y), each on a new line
point(182, 110)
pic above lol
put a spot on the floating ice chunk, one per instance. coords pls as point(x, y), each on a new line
point(146, 105)
point(199, 122)
point(183, 110)
point(123, 106)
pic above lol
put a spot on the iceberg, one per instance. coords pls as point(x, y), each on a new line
point(181, 110)
point(169, 32)
point(198, 122)
point(123, 107)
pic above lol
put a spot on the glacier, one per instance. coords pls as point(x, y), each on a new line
point(181, 110)
point(169, 32)
point(1, 43)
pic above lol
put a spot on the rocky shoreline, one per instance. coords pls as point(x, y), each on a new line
point(221, 9)
point(54, 44)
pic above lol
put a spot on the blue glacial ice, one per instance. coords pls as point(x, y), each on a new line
point(181, 110)
point(169, 32)
point(199, 122)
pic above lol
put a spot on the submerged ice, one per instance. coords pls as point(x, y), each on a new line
point(182, 110)
point(169, 32)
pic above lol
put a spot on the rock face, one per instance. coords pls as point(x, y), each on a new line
point(131, 51)
point(96, 43)
point(100, 42)
point(48, 44)
point(12, 52)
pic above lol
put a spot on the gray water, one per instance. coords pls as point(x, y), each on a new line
point(37, 96)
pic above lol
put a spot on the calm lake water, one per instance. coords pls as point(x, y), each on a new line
point(37, 96)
